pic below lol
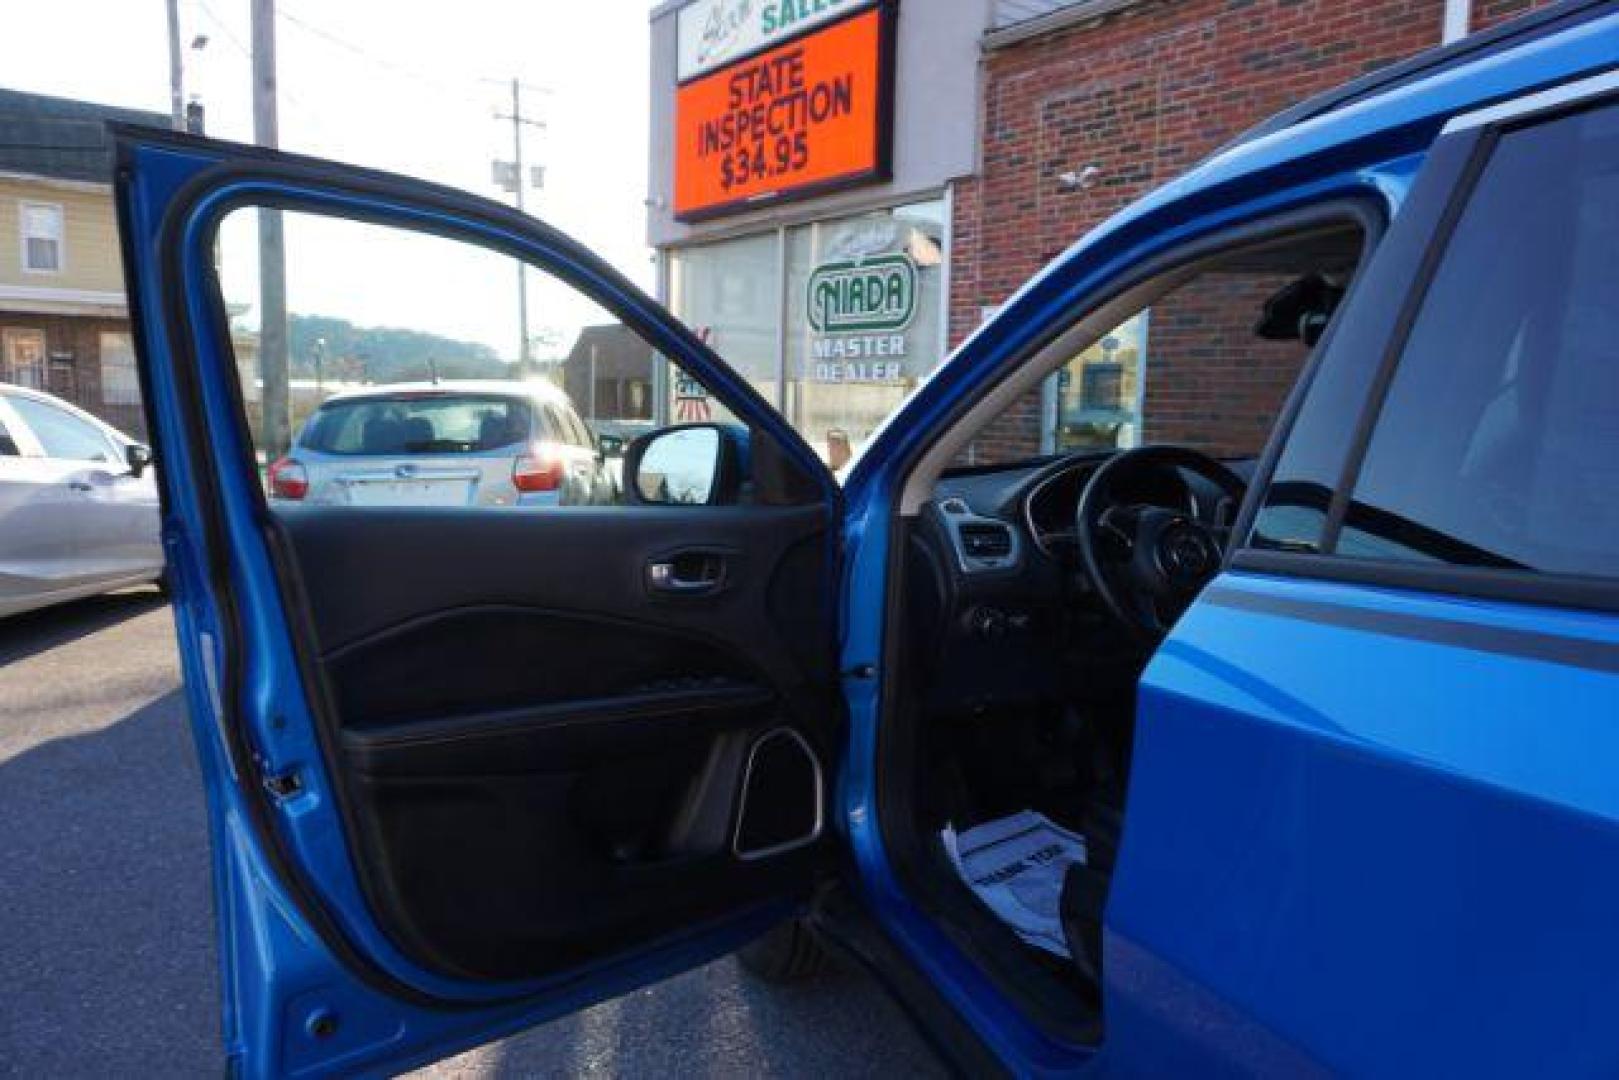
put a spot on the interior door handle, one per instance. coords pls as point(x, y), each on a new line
point(689, 573)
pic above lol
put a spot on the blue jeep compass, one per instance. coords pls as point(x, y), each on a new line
point(1270, 729)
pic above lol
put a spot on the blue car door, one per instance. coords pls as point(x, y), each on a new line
point(1373, 823)
point(473, 760)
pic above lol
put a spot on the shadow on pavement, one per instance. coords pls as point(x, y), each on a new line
point(107, 956)
point(718, 1021)
point(32, 632)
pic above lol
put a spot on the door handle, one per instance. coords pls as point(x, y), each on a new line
point(688, 573)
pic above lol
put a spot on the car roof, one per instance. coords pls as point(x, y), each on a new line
point(532, 389)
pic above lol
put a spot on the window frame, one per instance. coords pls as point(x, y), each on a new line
point(8, 370)
point(1456, 163)
point(128, 363)
point(24, 236)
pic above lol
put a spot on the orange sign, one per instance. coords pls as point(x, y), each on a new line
point(807, 115)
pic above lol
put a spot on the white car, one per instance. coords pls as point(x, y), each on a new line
point(449, 443)
point(78, 504)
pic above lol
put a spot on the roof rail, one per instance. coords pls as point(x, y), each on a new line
point(1536, 24)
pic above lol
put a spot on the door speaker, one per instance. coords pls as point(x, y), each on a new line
point(782, 796)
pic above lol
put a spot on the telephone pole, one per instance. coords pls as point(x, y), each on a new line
point(276, 434)
point(525, 359)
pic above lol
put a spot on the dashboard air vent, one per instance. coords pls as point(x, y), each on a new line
point(986, 541)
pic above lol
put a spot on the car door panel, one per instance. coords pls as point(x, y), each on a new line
point(469, 769)
point(1371, 820)
point(530, 705)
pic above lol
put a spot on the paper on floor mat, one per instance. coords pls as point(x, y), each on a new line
point(1016, 866)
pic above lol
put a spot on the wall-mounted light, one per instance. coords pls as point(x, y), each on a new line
point(1082, 179)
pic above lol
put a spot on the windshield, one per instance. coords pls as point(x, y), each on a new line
point(417, 424)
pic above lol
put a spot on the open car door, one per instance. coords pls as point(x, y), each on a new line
point(474, 759)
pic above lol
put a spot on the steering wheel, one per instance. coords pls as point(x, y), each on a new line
point(1148, 563)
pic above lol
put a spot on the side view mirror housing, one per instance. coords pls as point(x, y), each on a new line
point(686, 465)
point(138, 458)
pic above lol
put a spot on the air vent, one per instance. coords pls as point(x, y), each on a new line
point(986, 541)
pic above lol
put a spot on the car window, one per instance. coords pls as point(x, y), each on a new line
point(1207, 365)
point(1498, 444)
point(8, 444)
point(450, 381)
point(63, 435)
point(417, 423)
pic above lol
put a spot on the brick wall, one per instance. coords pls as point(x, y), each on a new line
point(1143, 95)
point(1211, 384)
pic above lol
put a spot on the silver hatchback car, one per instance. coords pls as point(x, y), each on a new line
point(78, 504)
point(450, 443)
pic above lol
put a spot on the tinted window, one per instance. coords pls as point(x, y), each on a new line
point(62, 434)
point(417, 424)
point(1499, 442)
point(8, 444)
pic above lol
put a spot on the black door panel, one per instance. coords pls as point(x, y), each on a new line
point(544, 754)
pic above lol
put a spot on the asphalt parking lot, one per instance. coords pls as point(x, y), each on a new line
point(107, 957)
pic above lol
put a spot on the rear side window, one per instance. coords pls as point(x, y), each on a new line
point(417, 424)
point(8, 444)
point(1498, 443)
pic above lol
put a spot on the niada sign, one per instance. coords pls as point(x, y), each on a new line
point(711, 33)
point(877, 293)
point(859, 310)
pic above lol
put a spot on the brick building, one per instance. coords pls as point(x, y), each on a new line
point(1089, 104)
point(64, 325)
point(1006, 129)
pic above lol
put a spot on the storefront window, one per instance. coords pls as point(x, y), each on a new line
point(730, 294)
point(865, 321)
point(862, 324)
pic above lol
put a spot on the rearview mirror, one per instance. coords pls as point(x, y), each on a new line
point(138, 458)
point(690, 465)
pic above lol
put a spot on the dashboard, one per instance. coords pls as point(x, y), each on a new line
point(1000, 609)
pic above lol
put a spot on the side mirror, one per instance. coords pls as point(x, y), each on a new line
point(138, 458)
point(689, 465)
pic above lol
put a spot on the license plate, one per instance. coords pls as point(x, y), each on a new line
point(410, 493)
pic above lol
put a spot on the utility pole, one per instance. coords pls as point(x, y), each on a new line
point(177, 107)
point(525, 360)
point(276, 433)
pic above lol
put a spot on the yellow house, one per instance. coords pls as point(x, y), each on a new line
point(64, 324)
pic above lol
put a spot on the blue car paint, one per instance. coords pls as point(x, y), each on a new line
point(1178, 1000)
point(279, 979)
point(1416, 861)
point(1371, 149)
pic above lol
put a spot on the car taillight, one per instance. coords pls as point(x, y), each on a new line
point(288, 479)
point(538, 470)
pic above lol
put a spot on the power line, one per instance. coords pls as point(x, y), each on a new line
point(403, 71)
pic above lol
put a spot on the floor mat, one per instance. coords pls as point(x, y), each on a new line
point(1016, 866)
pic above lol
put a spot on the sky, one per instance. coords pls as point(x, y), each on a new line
point(407, 87)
